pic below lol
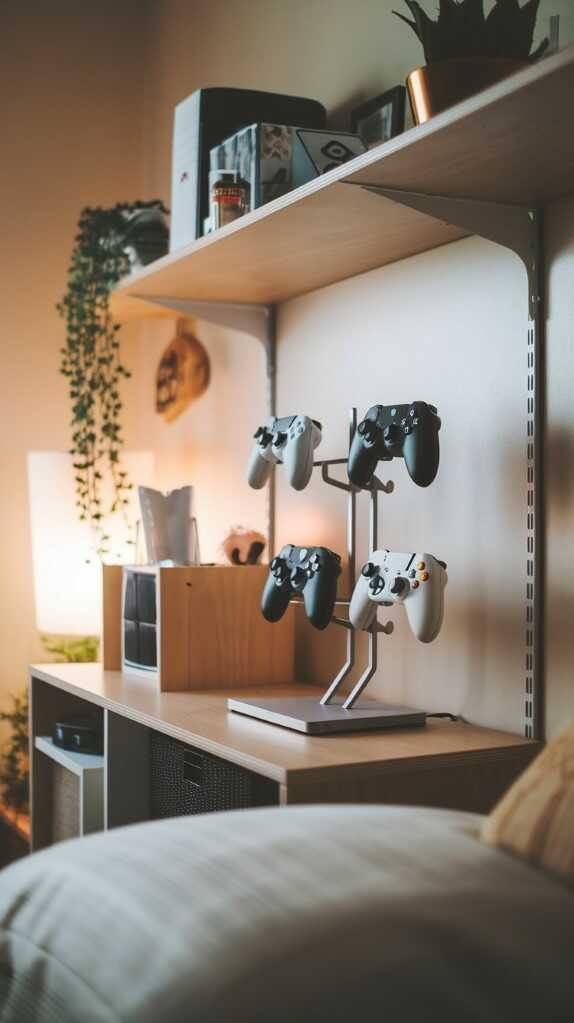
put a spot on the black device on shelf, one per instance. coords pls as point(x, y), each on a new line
point(185, 780)
point(206, 118)
point(140, 620)
point(81, 733)
point(396, 431)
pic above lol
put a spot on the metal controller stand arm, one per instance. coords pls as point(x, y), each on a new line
point(352, 491)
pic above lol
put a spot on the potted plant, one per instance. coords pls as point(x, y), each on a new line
point(108, 245)
point(14, 762)
point(466, 51)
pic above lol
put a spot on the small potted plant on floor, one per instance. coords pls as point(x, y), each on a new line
point(466, 51)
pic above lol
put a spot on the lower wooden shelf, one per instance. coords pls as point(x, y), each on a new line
point(447, 764)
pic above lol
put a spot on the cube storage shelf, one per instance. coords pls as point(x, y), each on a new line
point(446, 764)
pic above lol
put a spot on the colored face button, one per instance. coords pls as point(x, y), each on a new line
point(420, 565)
point(424, 576)
point(415, 584)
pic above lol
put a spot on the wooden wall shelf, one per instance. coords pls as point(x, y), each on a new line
point(510, 144)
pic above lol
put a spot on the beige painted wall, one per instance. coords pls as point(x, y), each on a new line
point(447, 326)
point(73, 79)
point(70, 78)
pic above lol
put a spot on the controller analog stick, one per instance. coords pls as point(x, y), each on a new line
point(367, 430)
point(298, 577)
point(278, 438)
point(399, 586)
point(392, 433)
point(369, 569)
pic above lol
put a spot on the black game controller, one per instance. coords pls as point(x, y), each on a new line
point(395, 431)
point(312, 571)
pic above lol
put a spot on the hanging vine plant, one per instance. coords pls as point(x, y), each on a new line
point(108, 244)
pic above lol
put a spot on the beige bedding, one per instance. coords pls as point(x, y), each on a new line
point(311, 913)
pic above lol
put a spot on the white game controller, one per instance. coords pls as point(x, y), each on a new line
point(415, 580)
point(291, 440)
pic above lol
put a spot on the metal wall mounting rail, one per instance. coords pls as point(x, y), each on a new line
point(518, 228)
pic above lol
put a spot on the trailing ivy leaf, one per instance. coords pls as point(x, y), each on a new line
point(90, 360)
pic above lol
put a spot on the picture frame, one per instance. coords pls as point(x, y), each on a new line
point(381, 118)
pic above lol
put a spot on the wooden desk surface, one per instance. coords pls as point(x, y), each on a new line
point(202, 720)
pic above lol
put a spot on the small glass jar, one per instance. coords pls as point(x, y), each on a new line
point(228, 197)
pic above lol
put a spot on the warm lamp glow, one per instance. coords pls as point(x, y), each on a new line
point(67, 571)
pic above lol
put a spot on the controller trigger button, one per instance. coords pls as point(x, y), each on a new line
point(303, 554)
point(442, 564)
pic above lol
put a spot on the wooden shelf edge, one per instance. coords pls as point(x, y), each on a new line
point(439, 157)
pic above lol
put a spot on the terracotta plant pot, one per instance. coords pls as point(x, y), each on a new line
point(436, 87)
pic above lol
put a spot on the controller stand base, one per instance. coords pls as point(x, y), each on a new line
point(308, 715)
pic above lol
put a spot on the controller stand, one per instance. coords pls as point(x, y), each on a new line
point(332, 714)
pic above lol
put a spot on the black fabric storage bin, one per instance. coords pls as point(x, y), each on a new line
point(185, 780)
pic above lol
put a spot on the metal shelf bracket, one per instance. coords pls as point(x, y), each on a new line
point(519, 228)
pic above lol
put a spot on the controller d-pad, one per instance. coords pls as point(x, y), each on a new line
point(263, 437)
point(377, 585)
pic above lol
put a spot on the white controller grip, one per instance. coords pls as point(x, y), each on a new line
point(258, 469)
point(362, 610)
point(304, 436)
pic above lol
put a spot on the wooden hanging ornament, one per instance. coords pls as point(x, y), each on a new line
point(182, 375)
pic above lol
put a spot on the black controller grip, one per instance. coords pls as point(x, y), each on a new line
point(421, 454)
point(274, 599)
point(319, 596)
point(362, 462)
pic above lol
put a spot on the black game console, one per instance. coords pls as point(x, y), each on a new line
point(207, 117)
point(83, 734)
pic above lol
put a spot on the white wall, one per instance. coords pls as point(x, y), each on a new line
point(447, 327)
point(70, 78)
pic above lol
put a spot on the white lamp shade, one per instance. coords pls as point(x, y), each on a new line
point(67, 569)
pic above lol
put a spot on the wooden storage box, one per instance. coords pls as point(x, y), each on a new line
point(210, 633)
